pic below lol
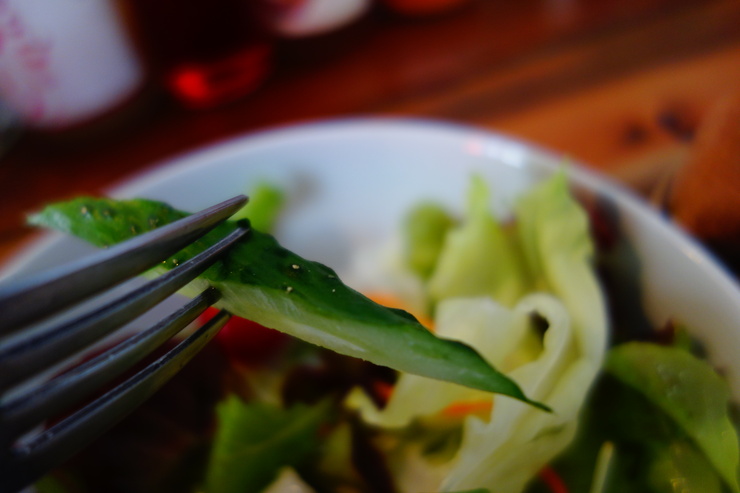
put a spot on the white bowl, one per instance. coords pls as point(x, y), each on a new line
point(350, 181)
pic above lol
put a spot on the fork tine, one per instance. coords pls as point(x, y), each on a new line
point(22, 413)
point(32, 299)
point(31, 461)
point(24, 358)
point(24, 459)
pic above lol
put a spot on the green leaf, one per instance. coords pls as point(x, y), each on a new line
point(491, 278)
point(554, 234)
point(425, 228)
point(688, 391)
point(653, 452)
point(264, 207)
point(264, 282)
point(254, 441)
point(682, 467)
point(479, 257)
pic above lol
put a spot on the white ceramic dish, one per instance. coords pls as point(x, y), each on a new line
point(350, 181)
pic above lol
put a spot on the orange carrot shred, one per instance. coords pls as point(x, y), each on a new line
point(392, 301)
point(460, 409)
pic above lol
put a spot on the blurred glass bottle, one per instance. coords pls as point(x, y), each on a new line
point(65, 63)
point(204, 52)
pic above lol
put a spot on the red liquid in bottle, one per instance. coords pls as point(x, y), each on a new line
point(206, 52)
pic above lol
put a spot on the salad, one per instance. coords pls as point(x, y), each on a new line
point(498, 369)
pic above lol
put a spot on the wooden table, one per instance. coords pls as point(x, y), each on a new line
point(612, 83)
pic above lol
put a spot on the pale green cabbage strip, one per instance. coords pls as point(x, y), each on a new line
point(488, 281)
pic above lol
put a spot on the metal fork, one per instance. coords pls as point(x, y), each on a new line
point(35, 337)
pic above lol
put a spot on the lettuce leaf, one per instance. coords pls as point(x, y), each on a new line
point(425, 228)
point(509, 450)
point(665, 414)
point(264, 207)
point(689, 392)
point(479, 257)
point(255, 441)
point(490, 281)
point(264, 282)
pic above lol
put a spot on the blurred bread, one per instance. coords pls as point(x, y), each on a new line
point(705, 193)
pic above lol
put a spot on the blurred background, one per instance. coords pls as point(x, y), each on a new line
point(93, 91)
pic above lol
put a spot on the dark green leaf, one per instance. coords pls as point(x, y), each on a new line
point(689, 392)
point(254, 441)
point(653, 451)
point(264, 282)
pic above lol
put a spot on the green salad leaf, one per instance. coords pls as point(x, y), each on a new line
point(525, 294)
point(264, 207)
point(255, 441)
point(425, 228)
point(664, 413)
point(264, 282)
point(689, 392)
point(681, 463)
point(479, 258)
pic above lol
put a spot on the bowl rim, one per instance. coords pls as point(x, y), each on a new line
point(578, 173)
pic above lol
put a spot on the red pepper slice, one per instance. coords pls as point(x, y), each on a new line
point(552, 480)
